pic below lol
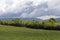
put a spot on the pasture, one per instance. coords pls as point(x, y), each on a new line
point(23, 33)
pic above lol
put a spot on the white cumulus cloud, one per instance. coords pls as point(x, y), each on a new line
point(47, 17)
point(16, 6)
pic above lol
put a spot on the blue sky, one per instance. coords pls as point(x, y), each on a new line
point(30, 8)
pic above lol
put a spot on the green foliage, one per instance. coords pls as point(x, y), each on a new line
point(52, 20)
point(36, 24)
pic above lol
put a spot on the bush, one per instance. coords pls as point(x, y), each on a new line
point(50, 24)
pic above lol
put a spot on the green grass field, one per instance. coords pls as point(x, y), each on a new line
point(22, 33)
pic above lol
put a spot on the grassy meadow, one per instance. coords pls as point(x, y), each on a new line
point(18, 29)
point(23, 33)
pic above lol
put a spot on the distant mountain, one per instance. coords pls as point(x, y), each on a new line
point(57, 18)
point(25, 18)
point(20, 18)
point(6, 18)
point(31, 19)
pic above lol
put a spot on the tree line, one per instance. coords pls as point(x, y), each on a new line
point(50, 24)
